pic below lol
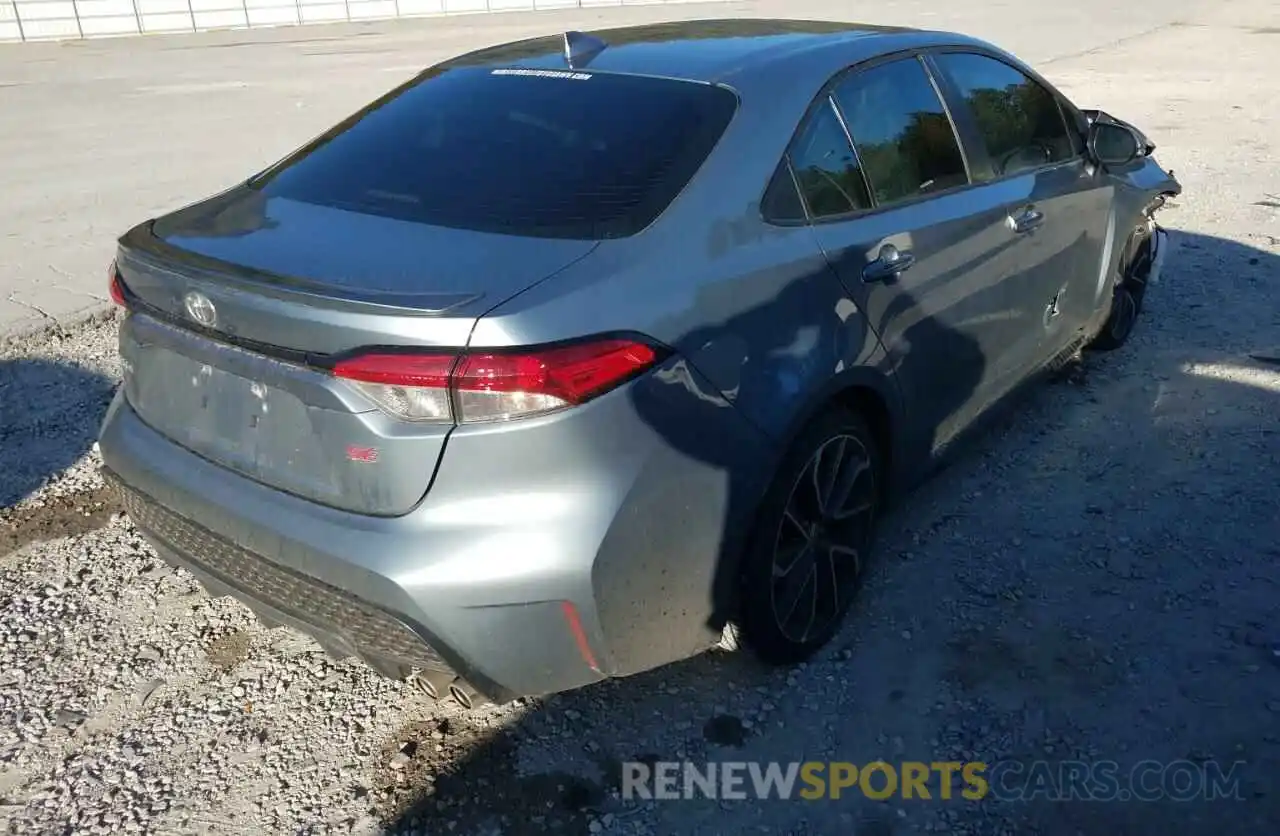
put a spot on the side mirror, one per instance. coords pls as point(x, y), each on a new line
point(1113, 145)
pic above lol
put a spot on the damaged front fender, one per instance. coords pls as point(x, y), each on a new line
point(1151, 185)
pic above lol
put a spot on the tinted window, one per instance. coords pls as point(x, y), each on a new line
point(901, 131)
point(543, 153)
point(825, 167)
point(1019, 121)
point(781, 200)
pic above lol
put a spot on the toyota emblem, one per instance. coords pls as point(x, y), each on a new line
point(200, 309)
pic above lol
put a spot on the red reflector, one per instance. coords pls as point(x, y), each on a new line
point(115, 286)
point(574, 621)
point(571, 373)
point(429, 371)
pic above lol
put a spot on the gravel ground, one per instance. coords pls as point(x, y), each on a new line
point(1096, 578)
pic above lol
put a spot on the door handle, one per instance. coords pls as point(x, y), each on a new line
point(890, 264)
point(1026, 220)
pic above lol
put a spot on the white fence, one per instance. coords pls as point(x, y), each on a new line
point(37, 20)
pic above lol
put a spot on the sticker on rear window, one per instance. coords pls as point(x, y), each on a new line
point(545, 74)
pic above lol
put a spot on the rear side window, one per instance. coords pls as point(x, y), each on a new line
point(781, 201)
point(1019, 121)
point(901, 130)
point(825, 166)
point(524, 152)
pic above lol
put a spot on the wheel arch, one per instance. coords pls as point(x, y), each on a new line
point(872, 394)
point(870, 404)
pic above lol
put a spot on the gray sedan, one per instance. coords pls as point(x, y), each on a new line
point(576, 356)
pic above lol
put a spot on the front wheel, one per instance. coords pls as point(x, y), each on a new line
point(813, 534)
point(1127, 295)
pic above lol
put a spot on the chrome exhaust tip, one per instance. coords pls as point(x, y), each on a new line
point(465, 695)
point(432, 683)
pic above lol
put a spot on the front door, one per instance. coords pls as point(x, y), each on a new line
point(1019, 139)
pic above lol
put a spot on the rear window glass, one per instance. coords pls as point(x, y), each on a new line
point(524, 152)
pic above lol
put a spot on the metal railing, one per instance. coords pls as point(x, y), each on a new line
point(42, 20)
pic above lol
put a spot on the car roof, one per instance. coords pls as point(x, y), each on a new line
point(730, 51)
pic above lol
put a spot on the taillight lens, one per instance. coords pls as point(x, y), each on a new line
point(495, 386)
point(115, 285)
point(414, 387)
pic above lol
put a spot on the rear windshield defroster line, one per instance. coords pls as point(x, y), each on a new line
point(584, 155)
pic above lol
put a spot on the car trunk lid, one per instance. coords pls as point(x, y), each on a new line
point(227, 353)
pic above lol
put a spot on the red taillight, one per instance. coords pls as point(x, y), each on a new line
point(429, 370)
point(573, 374)
point(414, 387)
point(495, 386)
point(115, 286)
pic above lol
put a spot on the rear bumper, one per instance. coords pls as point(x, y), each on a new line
point(535, 565)
point(345, 624)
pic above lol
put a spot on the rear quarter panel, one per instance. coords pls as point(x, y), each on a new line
point(753, 308)
point(763, 334)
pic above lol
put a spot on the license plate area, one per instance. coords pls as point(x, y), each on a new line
point(249, 425)
point(287, 426)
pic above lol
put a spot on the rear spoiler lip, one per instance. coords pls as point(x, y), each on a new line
point(141, 244)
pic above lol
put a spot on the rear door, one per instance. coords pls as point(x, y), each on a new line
point(926, 255)
point(1021, 139)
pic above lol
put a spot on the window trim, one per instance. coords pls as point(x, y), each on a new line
point(826, 92)
point(1071, 116)
point(785, 163)
point(876, 205)
point(795, 184)
point(853, 146)
point(822, 99)
point(828, 101)
point(966, 115)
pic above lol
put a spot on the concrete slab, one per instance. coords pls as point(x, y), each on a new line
point(97, 135)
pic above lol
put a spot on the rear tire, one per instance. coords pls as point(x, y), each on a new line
point(804, 563)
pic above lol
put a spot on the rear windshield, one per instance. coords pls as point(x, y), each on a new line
point(526, 152)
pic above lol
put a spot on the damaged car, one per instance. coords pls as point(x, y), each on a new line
point(576, 356)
